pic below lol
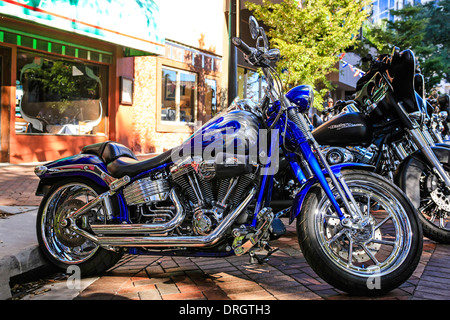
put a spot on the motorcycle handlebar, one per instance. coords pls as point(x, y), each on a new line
point(241, 45)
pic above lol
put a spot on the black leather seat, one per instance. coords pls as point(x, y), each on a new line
point(108, 151)
point(121, 161)
point(125, 166)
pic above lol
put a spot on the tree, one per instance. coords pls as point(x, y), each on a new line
point(310, 35)
point(424, 30)
point(436, 36)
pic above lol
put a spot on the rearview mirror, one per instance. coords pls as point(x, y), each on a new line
point(254, 27)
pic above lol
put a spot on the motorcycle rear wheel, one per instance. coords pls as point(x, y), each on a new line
point(63, 247)
point(372, 260)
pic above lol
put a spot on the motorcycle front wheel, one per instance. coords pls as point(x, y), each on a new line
point(434, 208)
point(366, 259)
point(60, 245)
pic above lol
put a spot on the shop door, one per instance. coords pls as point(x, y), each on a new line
point(5, 102)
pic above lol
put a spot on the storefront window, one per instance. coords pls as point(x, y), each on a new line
point(179, 96)
point(250, 84)
point(253, 85)
point(58, 96)
point(241, 82)
point(211, 97)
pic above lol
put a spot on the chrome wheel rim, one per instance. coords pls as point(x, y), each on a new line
point(377, 249)
point(63, 244)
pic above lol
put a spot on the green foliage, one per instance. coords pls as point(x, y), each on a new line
point(310, 35)
point(423, 29)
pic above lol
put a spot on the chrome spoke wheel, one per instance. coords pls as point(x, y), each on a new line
point(376, 243)
point(61, 243)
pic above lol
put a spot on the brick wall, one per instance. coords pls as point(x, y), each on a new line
point(146, 139)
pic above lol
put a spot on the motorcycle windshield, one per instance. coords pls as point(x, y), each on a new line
point(403, 70)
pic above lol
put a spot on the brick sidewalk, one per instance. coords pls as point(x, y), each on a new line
point(286, 276)
point(18, 185)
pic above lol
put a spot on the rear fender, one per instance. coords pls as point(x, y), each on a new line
point(82, 166)
point(408, 174)
point(300, 197)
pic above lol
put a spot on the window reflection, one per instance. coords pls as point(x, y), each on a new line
point(57, 96)
point(211, 97)
point(179, 96)
point(250, 84)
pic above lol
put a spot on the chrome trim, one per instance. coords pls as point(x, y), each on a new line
point(146, 190)
point(427, 136)
point(183, 241)
point(94, 169)
point(399, 151)
point(114, 186)
point(422, 144)
point(40, 170)
point(145, 228)
point(104, 197)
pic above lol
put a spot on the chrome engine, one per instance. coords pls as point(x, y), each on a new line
point(146, 190)
point(206, 194)
point(209, 194)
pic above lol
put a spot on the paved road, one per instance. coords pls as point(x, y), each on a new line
point(286, 276)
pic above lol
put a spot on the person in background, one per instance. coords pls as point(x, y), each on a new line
point(328, 115)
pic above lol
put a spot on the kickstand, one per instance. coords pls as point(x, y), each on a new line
point(254, 258)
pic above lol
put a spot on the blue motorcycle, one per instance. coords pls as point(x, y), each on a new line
point(210, 197)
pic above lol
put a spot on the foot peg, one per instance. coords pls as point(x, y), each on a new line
point(246, 239)
point(261, 260)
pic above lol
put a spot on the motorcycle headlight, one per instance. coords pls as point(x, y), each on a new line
point(302, 96)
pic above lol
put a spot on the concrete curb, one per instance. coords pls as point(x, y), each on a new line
point(19, 252)
point(27, 260)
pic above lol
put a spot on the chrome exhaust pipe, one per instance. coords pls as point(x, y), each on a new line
point(183, 241)
point(104, 229)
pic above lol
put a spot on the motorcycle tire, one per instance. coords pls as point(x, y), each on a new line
point(63, 247)
point(384, 253)
point(435, 221)
point(421, 186)
point(434, 228)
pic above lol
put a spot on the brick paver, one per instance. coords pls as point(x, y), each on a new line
point(287, 276)
point(18, 186)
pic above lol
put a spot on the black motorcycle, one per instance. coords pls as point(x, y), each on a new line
point(385, 126)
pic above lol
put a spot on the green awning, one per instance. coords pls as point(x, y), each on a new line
point(129, 23)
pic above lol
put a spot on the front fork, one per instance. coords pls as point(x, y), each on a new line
point(308, 145)
point(338, 182)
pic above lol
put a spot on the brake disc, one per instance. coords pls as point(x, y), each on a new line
point(441, 200)
point(359, 255)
